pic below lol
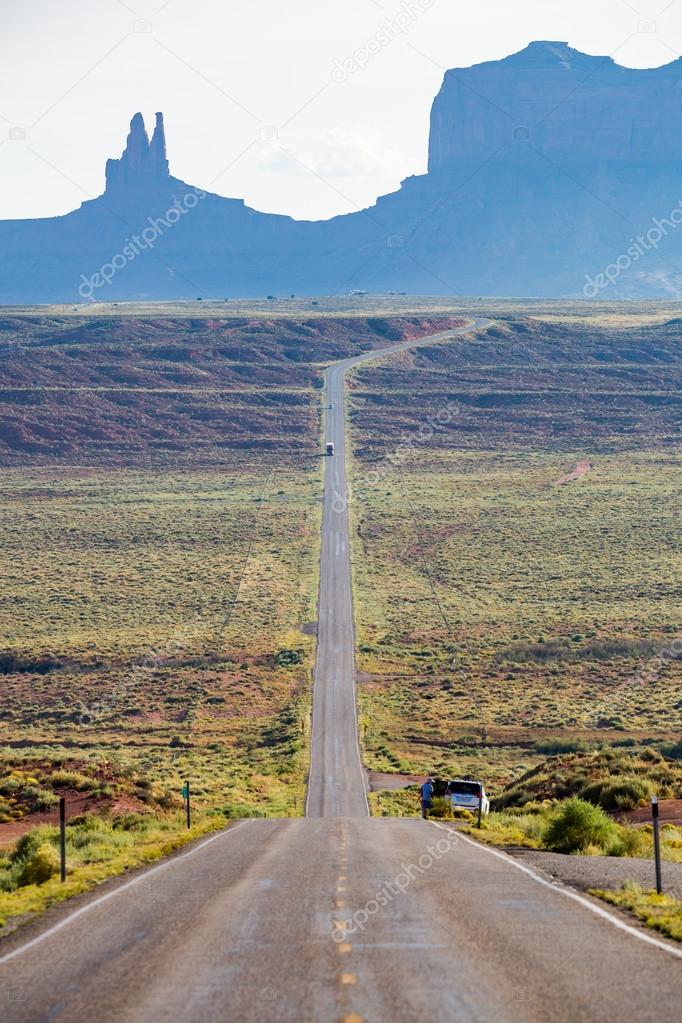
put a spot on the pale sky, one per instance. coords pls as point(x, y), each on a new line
point(255, 104)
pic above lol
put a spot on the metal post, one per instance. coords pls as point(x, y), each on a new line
point(189, 810)
point(480, 810)
point(657, 843)
point(62, 838)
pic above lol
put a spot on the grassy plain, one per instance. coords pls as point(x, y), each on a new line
point(618, 313)
point(160, 488)
point(161, 617)
point(499, 609)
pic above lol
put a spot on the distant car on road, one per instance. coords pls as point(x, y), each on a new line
point(330, 448)
point(466, 795)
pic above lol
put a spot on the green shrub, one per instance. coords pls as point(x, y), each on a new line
point(551, 747)
point(237, 811)
point(286, 658)
point(131, 822)
point(72, 780)
point(40, 866)
point(622, 794)
point(440, 807)
point(630, 842)
point(577, 824)
point(44, 800)
point(29, 843)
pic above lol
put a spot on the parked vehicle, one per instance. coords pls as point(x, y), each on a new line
point(466, 795)
point(330, 448)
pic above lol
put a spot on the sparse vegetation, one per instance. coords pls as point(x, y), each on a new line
point(502, 616)
point(661, 912)
point(614, 779)
point(577, 827)
point(97, 848)
point(160, 517)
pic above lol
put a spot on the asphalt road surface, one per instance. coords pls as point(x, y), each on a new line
point(337, 783)
point(338, 917)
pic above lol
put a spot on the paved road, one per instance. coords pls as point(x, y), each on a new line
point(337, 785)
point(336, 919)
point(280, 921)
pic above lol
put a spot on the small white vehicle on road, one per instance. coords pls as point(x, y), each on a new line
point(466, 795)
point(330, 448)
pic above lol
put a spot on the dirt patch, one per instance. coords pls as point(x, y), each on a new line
point(379, 782)
point(669, 811)
point(579, 471)
point(77, 803)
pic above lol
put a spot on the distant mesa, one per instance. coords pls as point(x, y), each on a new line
point(551, 173)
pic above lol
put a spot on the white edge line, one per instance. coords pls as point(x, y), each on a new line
point(168, 862)
point(561, 889)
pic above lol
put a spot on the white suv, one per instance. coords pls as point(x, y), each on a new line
point(466, 795)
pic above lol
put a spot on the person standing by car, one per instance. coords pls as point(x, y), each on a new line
point(426, 797)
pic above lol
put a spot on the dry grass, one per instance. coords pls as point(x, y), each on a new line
point(660, 912)
point(497, 609)
point(145, 613)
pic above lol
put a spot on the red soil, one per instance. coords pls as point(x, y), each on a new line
point(77, 803)
point(669, 810)
point(579, 471)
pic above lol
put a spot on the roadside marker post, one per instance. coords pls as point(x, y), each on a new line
point(657, 843)
point(62, 839)
point(480, 811)
point(186, 797)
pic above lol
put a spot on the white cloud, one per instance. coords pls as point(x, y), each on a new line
point(336, 153)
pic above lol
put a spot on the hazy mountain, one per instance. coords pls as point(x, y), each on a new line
point(544, 169)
